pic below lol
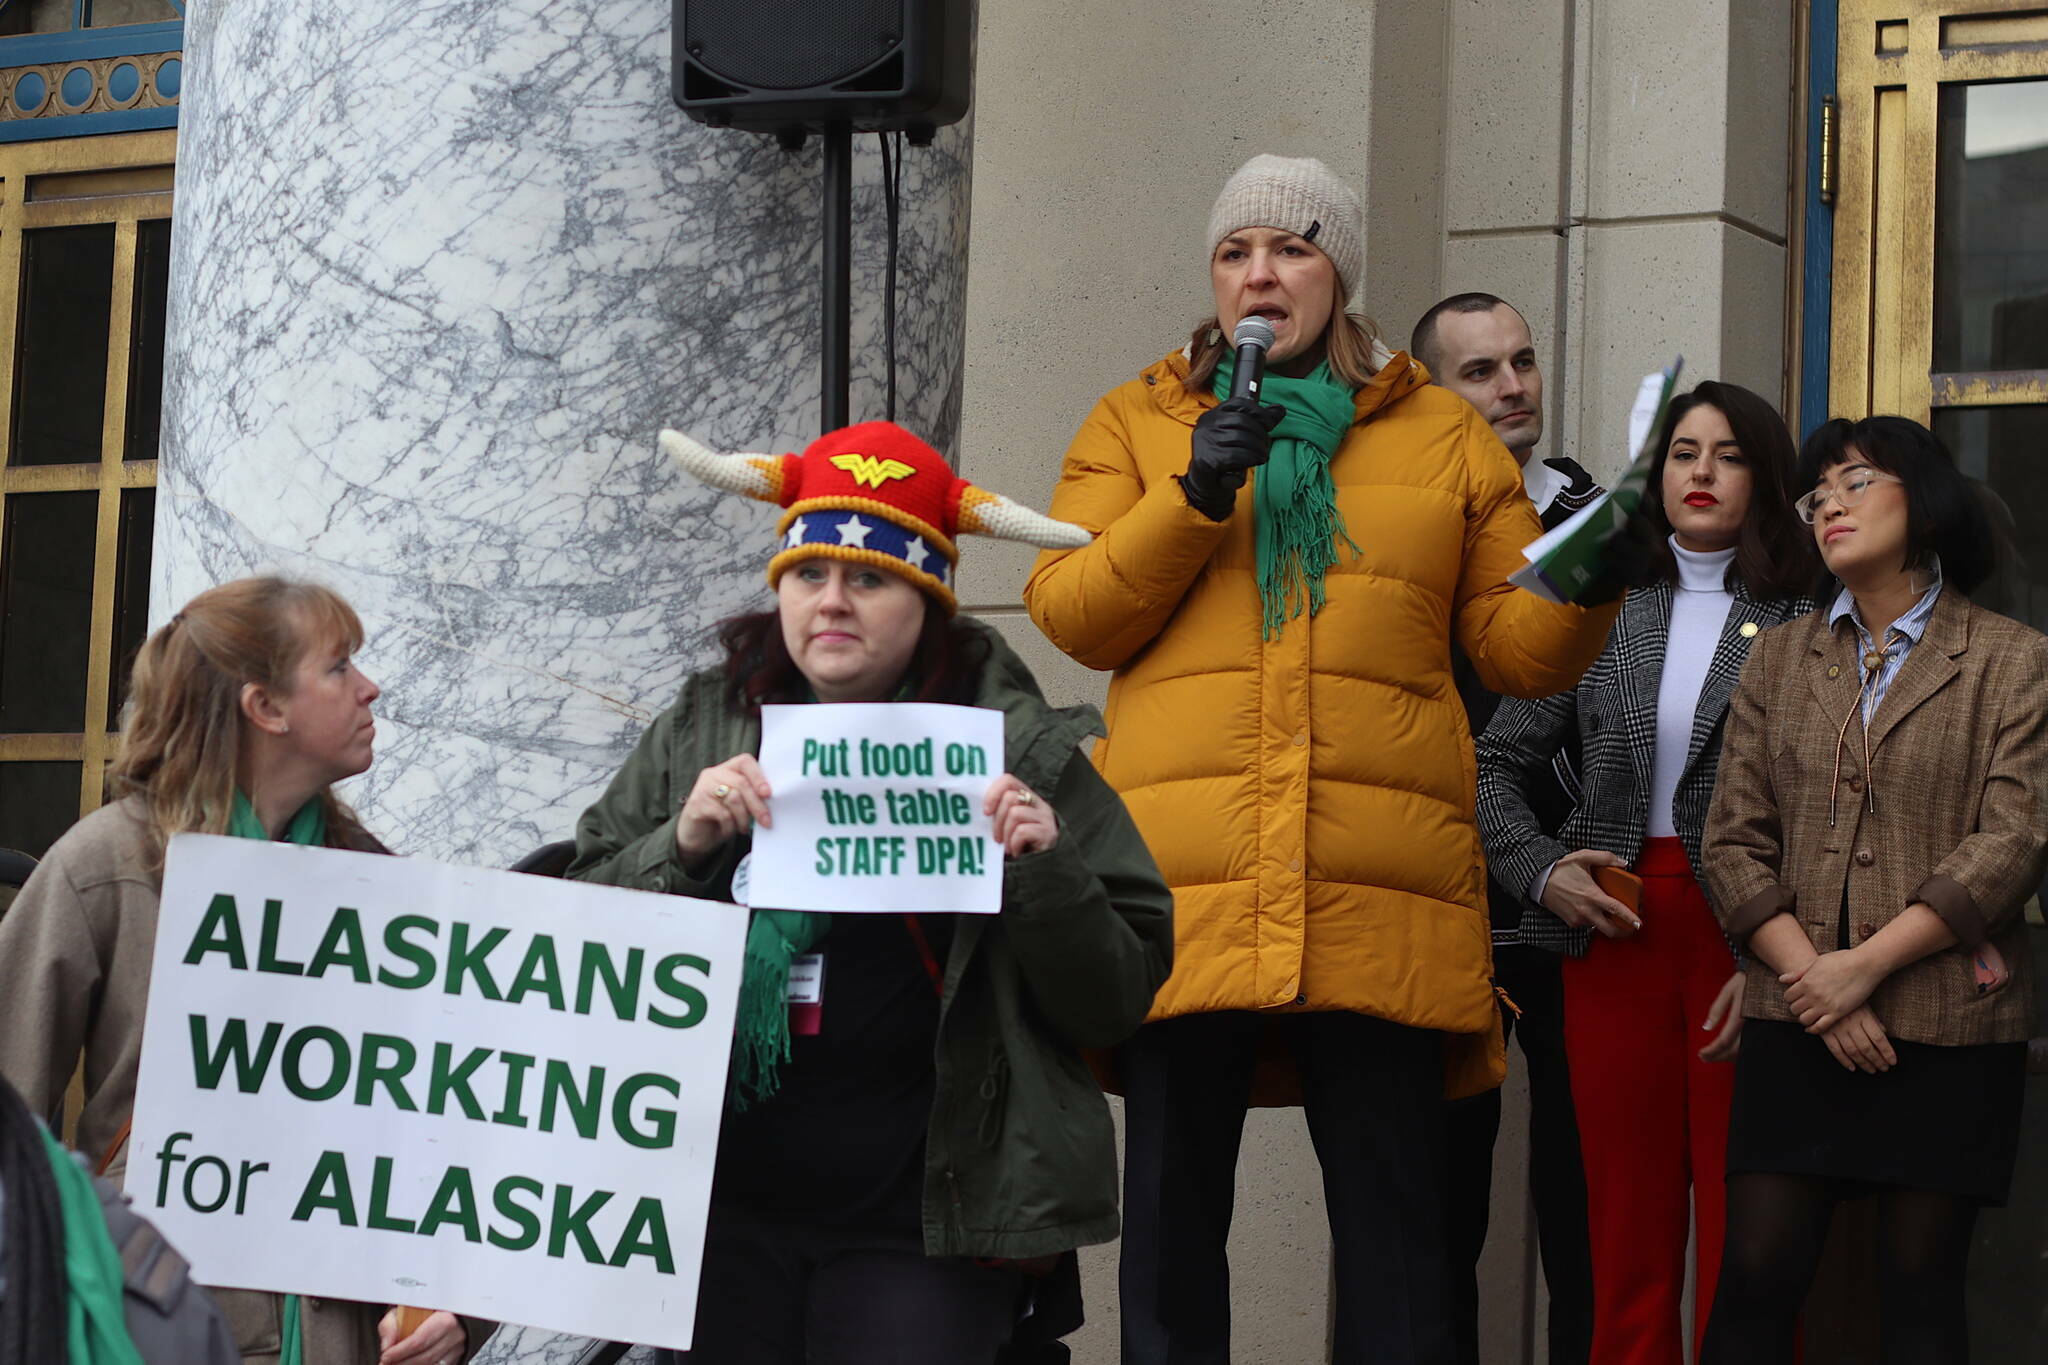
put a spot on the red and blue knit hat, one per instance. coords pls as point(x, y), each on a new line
point(875, 494)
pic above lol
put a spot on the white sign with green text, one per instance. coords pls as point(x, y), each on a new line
point(877, 807)
point(403, 1082)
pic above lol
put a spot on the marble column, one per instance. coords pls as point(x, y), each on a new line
point(440, 272)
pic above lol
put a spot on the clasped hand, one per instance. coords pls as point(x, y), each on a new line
point(1830, 988)
point(1829, 996)
point(730, 798)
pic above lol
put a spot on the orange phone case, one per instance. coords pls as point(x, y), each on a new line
point(1622, 884)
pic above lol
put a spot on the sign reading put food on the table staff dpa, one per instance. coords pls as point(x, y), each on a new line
point(878, 807)
point(402, 1082)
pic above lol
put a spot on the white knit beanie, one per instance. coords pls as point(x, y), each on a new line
point(1299, 195)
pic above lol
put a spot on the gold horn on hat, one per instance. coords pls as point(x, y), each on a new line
point(992, 514)
point(757, 476)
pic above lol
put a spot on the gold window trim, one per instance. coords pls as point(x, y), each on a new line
point(1894, 57)
point(122, 179)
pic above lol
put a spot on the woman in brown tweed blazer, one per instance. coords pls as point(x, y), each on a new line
point(1877, 827)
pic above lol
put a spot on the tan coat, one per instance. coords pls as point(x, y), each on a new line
point(75, 951)
point(1959, 749)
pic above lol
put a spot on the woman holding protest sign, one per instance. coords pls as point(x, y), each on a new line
point(890, 1180)
point(1652, 996)
point(244, 710)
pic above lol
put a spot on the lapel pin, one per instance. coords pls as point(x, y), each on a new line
point(1749, 629)
point(1834, 670)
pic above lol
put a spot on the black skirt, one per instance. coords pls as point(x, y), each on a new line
point(1945, 1119)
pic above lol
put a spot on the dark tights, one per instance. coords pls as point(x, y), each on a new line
point(1777, 1225)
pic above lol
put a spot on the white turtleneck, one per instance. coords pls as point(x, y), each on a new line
point(1700, 605)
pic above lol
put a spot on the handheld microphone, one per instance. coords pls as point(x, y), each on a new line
point(1252, 337)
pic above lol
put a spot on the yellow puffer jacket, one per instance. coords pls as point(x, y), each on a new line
point(1309, 799)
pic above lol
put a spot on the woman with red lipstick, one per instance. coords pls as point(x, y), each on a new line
point(243, 711)
point(1275, 587)
point(892, 1182)
point(1652, 998)
point(1877, 831)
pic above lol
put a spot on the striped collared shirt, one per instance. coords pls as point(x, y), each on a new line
point(1899, 639)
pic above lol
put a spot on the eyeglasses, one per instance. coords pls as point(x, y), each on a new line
point(1849, 490)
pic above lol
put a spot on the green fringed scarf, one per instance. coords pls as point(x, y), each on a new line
point(309, 826)
point(1293, 501)
point(761, 1033)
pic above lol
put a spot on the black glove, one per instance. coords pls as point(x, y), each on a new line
point(1629, 560)
point(1230, 438)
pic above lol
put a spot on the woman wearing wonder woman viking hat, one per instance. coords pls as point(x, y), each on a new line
point(894, 1186)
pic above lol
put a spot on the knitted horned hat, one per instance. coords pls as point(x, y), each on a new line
point(874, 494)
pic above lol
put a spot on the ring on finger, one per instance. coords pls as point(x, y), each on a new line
point(721, 791)
point(1027, 797)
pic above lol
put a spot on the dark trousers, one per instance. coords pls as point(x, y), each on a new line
point(1373, 1092)
point(783, 1293)
point(1557, 1179)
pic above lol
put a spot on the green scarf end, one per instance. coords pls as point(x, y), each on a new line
point(291, 1349)
point(1293, 499)
point(761, 1031)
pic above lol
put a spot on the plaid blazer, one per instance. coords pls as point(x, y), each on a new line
point(1613, 712)
point(1952, 814)
point(1552, 801)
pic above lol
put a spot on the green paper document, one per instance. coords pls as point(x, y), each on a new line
point(1564, 562)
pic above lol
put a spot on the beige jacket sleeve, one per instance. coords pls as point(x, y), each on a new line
point(1982, 885)
point(50, 975)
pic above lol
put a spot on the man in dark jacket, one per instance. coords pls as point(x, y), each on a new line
point(1479, 347)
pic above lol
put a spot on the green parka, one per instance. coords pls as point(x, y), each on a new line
point(1020, 1157)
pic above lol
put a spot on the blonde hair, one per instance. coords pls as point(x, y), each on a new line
point(1348, 341)
point(181, 738)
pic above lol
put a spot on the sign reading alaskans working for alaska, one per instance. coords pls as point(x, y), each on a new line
point(401, 1082)
point(877, 807)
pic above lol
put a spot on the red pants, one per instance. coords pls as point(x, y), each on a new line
point(1653, 1117)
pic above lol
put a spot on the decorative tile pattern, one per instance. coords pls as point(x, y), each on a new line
point(95, 86)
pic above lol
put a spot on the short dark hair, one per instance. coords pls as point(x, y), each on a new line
point(1774, 557)
point(1422, 341)
point(1945, 514)
point(946, 665)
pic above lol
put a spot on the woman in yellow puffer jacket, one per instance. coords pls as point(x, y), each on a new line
point(1284, 727)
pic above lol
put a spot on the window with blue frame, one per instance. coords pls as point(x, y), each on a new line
point(69, 68)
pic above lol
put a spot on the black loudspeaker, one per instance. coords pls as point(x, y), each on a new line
point(794, 66)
